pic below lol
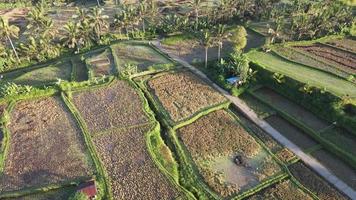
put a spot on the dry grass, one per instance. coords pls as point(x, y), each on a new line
point(45, 146)
point(215, 139)
point(183, 94)
point(133, 174)
point(285, 155)
point(114, 106)
point(315, 183)
point(285, 190)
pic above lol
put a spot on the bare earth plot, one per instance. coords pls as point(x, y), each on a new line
point(141, 55)
point(132, 173)
point(45, 147)
point(317, 78)
point(284, 190)
point(337, 166)
point(183, 94)
point(213, 142)
point(101, 63)
point(315, 183)
point(112, 106)
point(340, 59)
point(344, 43)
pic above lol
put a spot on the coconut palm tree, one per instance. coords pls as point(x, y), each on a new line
point(195, 6)
point(98, 22)
point(220, 34)
point(7, 32)
point(206, 41)
point(72, 37)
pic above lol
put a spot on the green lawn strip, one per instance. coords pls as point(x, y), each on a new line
point(95, 83)
point(4, 121)
point(327, 68)
point(41, 189)
point(338, 151)
point(304, 74)
point(101, 176)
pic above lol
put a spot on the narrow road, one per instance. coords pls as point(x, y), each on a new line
point(307, 159)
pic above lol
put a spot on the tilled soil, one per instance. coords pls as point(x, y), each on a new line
point(46, 146)
point(183, 94)
point(132, 173)
point(117, 105)
point(342, 59)
point(344, 43)
point(315, 183)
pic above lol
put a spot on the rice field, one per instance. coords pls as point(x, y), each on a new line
point(46, 147)
point(101, 63)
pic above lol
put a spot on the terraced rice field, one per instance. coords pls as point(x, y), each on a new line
point(101, 63)
point(291, 132)
point(260, 109)
point(338, 58)
point(315, 183)
point(307, 59)
point(283, 190)
point(41, 75)
point(344, 43)
point(141, 55)
point(80, 69)
point(117, 105)
point(132, 173)
point(183, 94)
point(213, 141)
point(337, 167)
point(46, 147)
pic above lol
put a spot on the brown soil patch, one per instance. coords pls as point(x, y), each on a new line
point(345, 43)
point(183, 94)
point(315, 183)
point(117, 105)
point(46, 146)
point(132, 172)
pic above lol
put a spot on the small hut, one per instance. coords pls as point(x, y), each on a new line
point(89, 189)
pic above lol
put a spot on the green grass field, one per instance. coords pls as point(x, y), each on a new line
point(304, 74)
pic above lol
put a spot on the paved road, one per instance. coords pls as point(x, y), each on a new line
point(308, 160)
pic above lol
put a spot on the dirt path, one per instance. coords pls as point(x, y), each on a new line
point(310, 161)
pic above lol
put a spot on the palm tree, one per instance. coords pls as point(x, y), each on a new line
point(98, 22)
point(195, 5)
point(9, 31)
point(220, 35)
point(72, 37)
point(206, 41)
point(37, 19)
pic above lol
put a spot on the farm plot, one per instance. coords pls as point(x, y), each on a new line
point(117, 105)
point(344, 43)
point(291, 132)
point(79, 68)
point(291, 108)
point(308, 60)
point(261, 109)
point(228, 157)
point(132, 173)
point(341, 138)
point(140, 55)
point(337, 166)
point(283, 190)
point(42, 75)
point(315, 183)
point(101, 63)
point(183, 94)
point(45, 147)
point(338, 58)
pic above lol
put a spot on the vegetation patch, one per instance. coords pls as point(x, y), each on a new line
point(183, 94)
point(45, 147)
point(338, 58)
point(315, 183)
point(80, 71)
point(336, 166)
point(117, 105)
point(261, 109)
point(228, 158)
point(38, 76)
point(57, 194)
point(283, 190)
point(140, 55)
point(131, 170)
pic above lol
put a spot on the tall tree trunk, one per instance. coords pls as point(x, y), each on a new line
point(219, 51)
point(206, 57)
point(98, 2)
point(13, 48)
point(196, 19)
point(143, 26)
